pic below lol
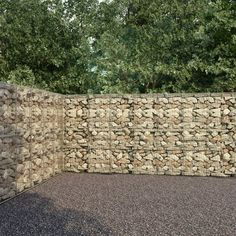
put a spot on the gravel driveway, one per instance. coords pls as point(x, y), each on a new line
point(96, 204)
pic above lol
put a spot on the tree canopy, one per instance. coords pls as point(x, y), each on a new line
point(125, 46)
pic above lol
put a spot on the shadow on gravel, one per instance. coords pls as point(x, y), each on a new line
point(32, 214)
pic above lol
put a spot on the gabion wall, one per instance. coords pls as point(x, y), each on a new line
point(43, 133)
point(31, 125)
point(173, 134)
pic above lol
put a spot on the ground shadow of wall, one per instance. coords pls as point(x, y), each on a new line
point(33, 214)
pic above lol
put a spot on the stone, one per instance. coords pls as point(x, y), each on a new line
point(130, 166)
point(149, 113)
point(67, 165)
point(226, 157)
point(138, 157)
point(174, 157)
point(85, 166)
point(72, 113)
point(216, 158)
point(200, 157)
point(119, 113)
point(72, 155)
point(19, 168)
point(94, 133)
point(119, 156)
point(7, 173)
point(79, 112)
point(20, 187)
point(216, 112)
point(189, 158)
point(172, 112)
point(211, 168)
point(149, 157)
point(202, 112)
point(164, 100)
point(97, 166)
point(127, 131)
point(38, 161)
point(188, 112)
point(138, 113)
point(226, 112)
point(2, 192)
point(79, 154)
point(114, 166)
point(192, 100)
point(35, 177)
point(165, 168)
point(142, 143)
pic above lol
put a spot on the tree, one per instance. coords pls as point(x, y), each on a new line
point(173, 46)
point(129, 46)
point(44, 43)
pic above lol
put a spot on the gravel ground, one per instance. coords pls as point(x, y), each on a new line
point(95, 204)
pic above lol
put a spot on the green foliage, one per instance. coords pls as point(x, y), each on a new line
point(123, 46)
point(173, 46)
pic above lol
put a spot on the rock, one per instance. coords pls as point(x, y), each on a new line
point(149, 113)
point(119, 113)
point(216, 158)
point(164, 100)
point(138, 113)
point(188, 112)
point(226, 157)
point(172, 112)
point(114, 166)
point(174, 157)
point(2, 192)
point(192, 100)
point(188, 158)
point(142, 143)
point(7, 173)
point(79, 112)
point(94, 133)
point(97, 166)
point(19, 168)
point(72, 155)
point(165, 168)
point(130, 166)
point(210, 99)
point(211, 168)
point(127, 131)
point(119, 156)
point(226, 112)
point(35, 177)
point(200, 157)
point(149, 157)
point(38, 161)
point(20, 187)
point(85, 166)
point(138, 157)
point(79, 154)
point(202, 112)
point(71, 113)
point(216, 112)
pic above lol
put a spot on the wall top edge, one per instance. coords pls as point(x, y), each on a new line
point(153, 95)
point(16, 88)
point(150, 95)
